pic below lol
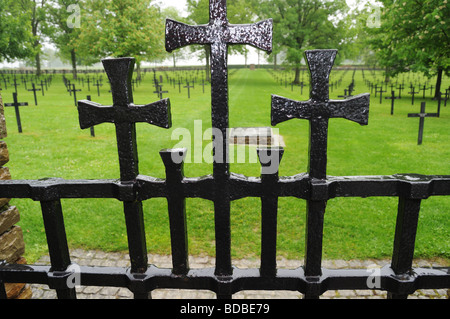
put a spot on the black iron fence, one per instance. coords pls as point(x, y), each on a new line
point(222, 187)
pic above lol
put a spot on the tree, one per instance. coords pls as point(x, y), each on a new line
point(15, 34)
point(305, 24)
point(36, 12)
point(62, 26)
point(122, 28)
point(414, 36)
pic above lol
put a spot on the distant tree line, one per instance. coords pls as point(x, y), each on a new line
point(397, 35)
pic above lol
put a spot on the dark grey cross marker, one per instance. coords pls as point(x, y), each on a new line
point(34, 92)
point(125, 114)
point(413, 92)
point(160, 92)
point(392, 98)
point(15, 84)
point(42, 88)
point(381, 91)
point(88, 80)
point(74, 93)
point(400, 88)
point(16, 107)
point(318, 110)
point(188, 87)
point(424, 89)
point(422, 115)
point(219, 33)
point(98, 85)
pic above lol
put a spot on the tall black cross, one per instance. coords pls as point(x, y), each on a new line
point(219, 33)
point(413, 92)
point(98, 85)
point(16, 107)
point(92, 128)
point(15, 84)
point(400, 88)
point(188, 87)
point(74, 90)
point(42, 87)
point(424, 89)
point(422, 115)
point(34, 92)
point(392, 98)
point(160, 92)
point(125, 114)
point(318, 110)
point(381, 91)
point(88, 80)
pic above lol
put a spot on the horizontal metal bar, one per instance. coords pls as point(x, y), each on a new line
point(300, 186)
point(241, 279)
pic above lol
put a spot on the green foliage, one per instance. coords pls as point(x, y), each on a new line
point(300, 25)
point(414, 35)
point(58, 28)
point(15, 32)
point(121, 28)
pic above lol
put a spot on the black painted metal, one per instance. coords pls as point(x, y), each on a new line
point(16, 105)
point(422, 115)
point(222, 187)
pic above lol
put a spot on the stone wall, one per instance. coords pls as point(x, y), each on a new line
point(12, 246)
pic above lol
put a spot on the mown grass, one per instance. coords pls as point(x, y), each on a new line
point(53, 145)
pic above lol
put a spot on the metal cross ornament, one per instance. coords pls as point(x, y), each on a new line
point(218, 34)
point(124, 113)
point(318, 110)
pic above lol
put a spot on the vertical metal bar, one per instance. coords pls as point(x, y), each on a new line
point(134, 217)
point(270, 160)
point(316, 209)
point(3, 294)
point(173, 161)
point(405, 237)
point(57, 242)
point(219, 114)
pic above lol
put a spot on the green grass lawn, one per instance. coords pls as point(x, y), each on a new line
point(53, 145)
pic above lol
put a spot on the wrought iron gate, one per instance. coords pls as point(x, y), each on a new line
point(222, 187)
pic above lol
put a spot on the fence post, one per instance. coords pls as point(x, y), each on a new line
point(173, 161)
point(270, 160)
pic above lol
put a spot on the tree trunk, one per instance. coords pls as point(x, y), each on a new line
point(275, 62)
point(38, 64)
point(174, 60)
point(74, 63)
point(438, 83)
point(138, 70)
point(207, 55)
point(297, 75)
